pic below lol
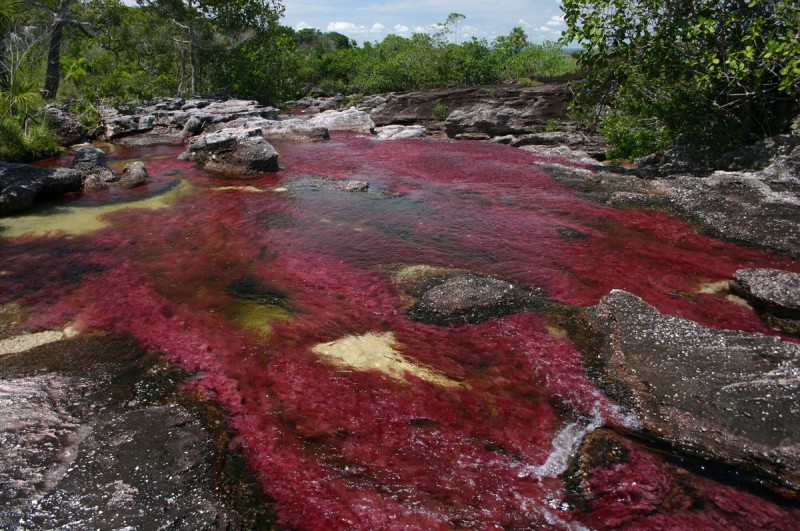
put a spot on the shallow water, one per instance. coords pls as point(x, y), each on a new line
point(254, 286)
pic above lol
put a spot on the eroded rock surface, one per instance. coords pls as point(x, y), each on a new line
point(134, 174)
point(170, 121)
point(233, 151)
point(92, 439)
point(93, 165)
point(21, 185)
point(726, 396)
point(775, 294)
point(450, 297)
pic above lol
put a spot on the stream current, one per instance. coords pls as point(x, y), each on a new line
point(277, 297)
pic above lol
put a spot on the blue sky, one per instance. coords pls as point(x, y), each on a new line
point(366, 20)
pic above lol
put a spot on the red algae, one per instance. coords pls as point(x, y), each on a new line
point(339, 448)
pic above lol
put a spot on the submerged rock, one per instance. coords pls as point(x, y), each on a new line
point(322, 184)
point(775, 294)
point(21, 185)
point(234, 151)
point(378, 352)
point(451, 297)
point(725, 396)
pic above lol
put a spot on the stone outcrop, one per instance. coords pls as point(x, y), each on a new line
point(321, 184)
point(529, 106)
point(399, 132)
point(750, 208)
point(233, 151)
point(725, 396)
point(452, 297)
point(90, 435)
point(775, 294)
point(93, 165)
point(66, 126)
point(350, 119)
point(296, 129)
point(170, 121)
point(21, 185)
point(134, 174)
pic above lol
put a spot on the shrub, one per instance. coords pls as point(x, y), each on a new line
point(25, 144)
point(441, 112)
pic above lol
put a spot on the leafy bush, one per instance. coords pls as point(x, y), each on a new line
point(441, 112)
point(25, 144)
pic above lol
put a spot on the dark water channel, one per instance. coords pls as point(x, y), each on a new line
point(279, 298)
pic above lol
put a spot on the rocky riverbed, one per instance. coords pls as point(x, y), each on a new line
point(101, 431)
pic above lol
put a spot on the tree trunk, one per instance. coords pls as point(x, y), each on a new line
point(53, 74)
point(4, 73)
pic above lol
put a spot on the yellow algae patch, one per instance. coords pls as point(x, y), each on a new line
point(556, 332)
point(258, 316)
point(722, 288)
point(375, 351)
point(25, 342)
point(75, 221)
point(240, 188)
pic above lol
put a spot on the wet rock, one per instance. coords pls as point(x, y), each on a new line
point(774, 293)
point(451, 297)
point(93, 165)
point(21, 185)
point(745, 208)
point(66, 126)
point(600, 448)
point(724, 396)
point(330, 185)
point(89, 436)
point(233, 151)
point(134, 174)
point(398, 132)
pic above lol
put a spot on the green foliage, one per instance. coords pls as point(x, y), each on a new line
point(708, 72)
point(22, 141)
point(441, 112)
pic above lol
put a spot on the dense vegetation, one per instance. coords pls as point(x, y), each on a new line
point(710, 73)
point(707, 73)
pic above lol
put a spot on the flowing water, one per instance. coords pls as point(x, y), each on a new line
point(279, 300)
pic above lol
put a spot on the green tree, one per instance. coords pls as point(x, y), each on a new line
point(709, 72)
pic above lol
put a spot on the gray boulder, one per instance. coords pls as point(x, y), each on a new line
point(21, 185)
point(721, 395)
point(748, 208)
point(233, 151)
point(774, 293)
point(93, 165)
point(134, 174)
point(399, 132)
point(450, 297)
point(348, 120)
point(66, 126)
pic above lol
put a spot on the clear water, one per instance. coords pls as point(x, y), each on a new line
point(476, 426)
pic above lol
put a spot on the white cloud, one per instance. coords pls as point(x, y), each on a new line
point(556, 21)
point(301, 25)
point(401, 29)
point(378, 27)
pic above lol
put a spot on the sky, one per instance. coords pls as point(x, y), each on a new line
point(369, 21)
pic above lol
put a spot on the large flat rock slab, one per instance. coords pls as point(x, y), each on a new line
point(726, 396)
point(21, 185)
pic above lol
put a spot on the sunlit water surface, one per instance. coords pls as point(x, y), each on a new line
point(352, 415)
